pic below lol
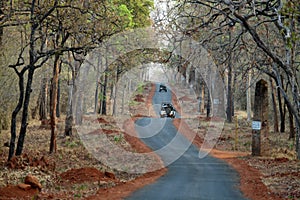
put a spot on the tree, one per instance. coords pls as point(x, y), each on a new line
point(73, 69)
point(92, 15)
point(264, 41)
point(270, 29)
point(36, 60)
point(1, 15)
point(133, 14)
point(41, 27)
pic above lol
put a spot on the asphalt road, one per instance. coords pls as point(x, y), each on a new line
point(188, 176)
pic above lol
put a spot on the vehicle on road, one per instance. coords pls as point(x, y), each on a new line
point(167, 110)
point(162, 88)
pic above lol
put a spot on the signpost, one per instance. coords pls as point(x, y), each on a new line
point(260, 115)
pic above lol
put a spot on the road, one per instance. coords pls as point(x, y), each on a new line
point(188, 176)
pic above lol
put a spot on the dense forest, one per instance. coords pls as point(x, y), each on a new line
point(44, 44)
point(250, 41)
point(64, 60)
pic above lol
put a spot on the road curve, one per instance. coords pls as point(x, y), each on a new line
point(188, 176)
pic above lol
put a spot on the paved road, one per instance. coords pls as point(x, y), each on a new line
point(188, 176)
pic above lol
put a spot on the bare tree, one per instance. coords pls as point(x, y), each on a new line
point(36, 60)
point(270, 25)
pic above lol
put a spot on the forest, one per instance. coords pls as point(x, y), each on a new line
point(63, 60)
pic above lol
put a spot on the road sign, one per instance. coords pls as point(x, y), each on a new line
point(256, 125)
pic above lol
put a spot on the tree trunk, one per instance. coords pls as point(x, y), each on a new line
point(208, 106)
point(30, 68)
point(71, 99)
point(281, 113)
point(104, 94)
point(53, 104)
point(111, 97)
point(79, 108)
point(284, 115)
point(202, 98)
point(229, 95)
point(298, 142)
point(292, 127)
point(123, 98)
point(69, 114)
point(96, 107)
point(25, 112)
point(249, 109)
point(260, 116)
point(101, 98)
point(116, 91)
point(80, 95)
point(37, 107)
point(276, 124)
point(229, 85)
point(233, 92)
point(14, 117)
point(1, 28)
point(114, 105)
point(43, 102)
point(58, 99)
